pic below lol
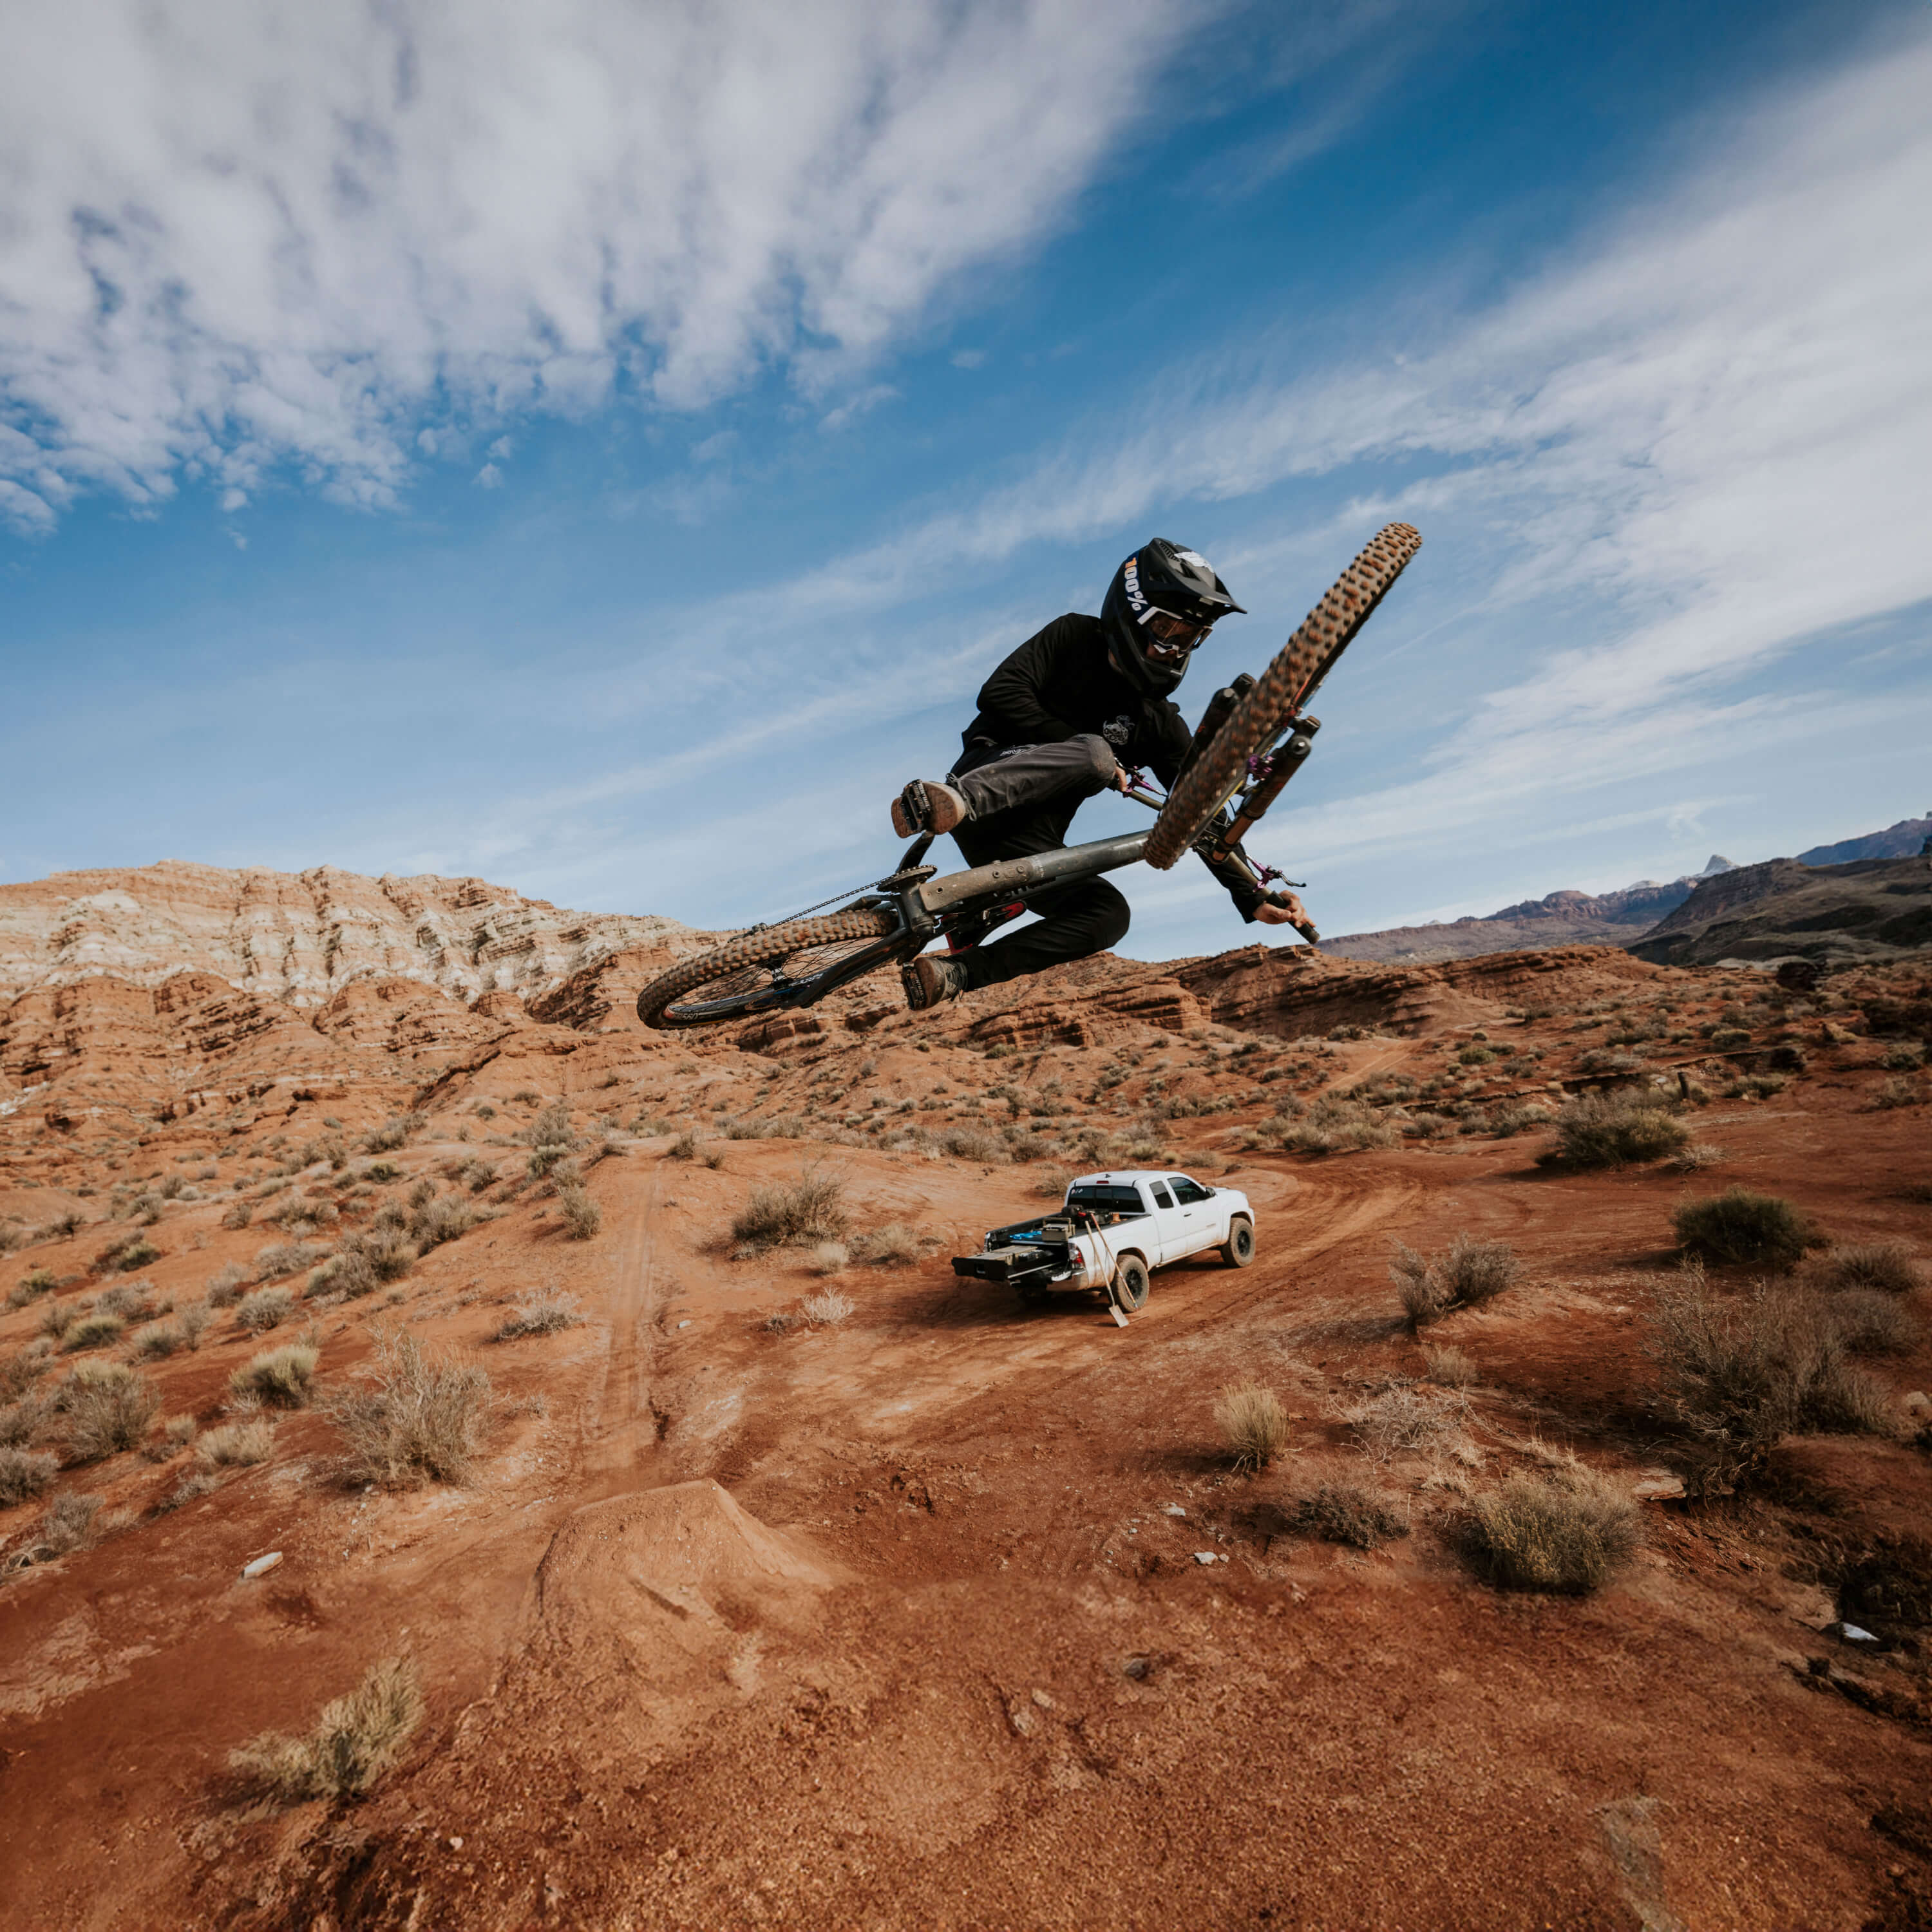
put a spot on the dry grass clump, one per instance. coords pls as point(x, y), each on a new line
point(224, 1290)
point(443, 1219)
point(1452, 1368)
point(830, 1257)
point(91, 1331)
point(1345, 1512)
point(1615, 1130)
point(30, 1287)
point(264, 1309)
point(286, 1258)
point(974, 1144)
point(582, 1217)
point(417, 1419)
point(1748, 1229)
point(808, 1211)
point(1464, 1274)
point(1886, 1267)
point(66, 1525)
point(1567, 1531)
point(57, 1318)
point(363, 1262)
point(1742, 1373)
point(24, 1474)
point(1335, 1126)
point(544, 1316)
point(1694, 1157)
point(1402, 1421)
point(283, 1378)
point(827, 1308)
point(1869, 1323)
point(1252, 1422)
point(108, 1407)
point(159, 1339)
point(356, 1739)
point(893, 1246)
point(684, 1147)
point(1050, 1183)
point(393, 1133)
point(236, 1445)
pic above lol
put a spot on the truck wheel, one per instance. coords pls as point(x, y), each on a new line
point(1132, 1283)
point(1238, 1249)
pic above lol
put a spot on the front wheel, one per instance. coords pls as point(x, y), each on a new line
point(1299, 665)
point(1238, 1249)
point(760, 970)
point(1132, 1283)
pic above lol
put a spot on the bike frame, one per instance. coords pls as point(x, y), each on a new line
point(928, 908)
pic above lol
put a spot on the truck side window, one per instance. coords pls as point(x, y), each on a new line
point(1161, 1199)
point(1186, 1190)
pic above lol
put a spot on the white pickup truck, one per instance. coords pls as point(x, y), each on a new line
point(1112, 1232)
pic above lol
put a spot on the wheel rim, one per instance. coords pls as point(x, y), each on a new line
point(764, 983)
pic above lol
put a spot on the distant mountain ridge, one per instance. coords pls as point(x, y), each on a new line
point(1622, 918)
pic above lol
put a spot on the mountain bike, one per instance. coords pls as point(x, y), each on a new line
point(1254, 736)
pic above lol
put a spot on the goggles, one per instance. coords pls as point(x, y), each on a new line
point(1170, 638)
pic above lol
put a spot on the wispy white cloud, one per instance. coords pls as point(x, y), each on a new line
point(239, 234)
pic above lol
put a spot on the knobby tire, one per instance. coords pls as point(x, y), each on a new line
point(1299, 665)
point(742, 957)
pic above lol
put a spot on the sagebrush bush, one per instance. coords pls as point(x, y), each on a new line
point(24, 1474)
point(1463, 1275)
point(236, 1445)
point(830, 1257)
point(92, 1331)
point(1870, 1323)
point(684, 1147)
point(355, 1740)
point(1051, 1183)
point(283, 1378)
point(973, 1144)
point(1599, 1130)
point(1887, 1266)
point(67, 1524)
point(827, 1308)
point(224, 1289)
point(444, 1219)
point(416, 1418)
point(1742, 1373)
point(1252, 1422)
point(286, 1258)
point(264, 1309)
point(1402, 1421)
point(1743, 1228)
point(1347, 1514)
point(582, 1217)
point(543, 1316)
point(30, 1287)
point(893, 1246)
point(809, 1210)
point(107, 1408)
point(1449, 1366)
point(393, 1133)
point(1568, 1532)
point(1335, 1126)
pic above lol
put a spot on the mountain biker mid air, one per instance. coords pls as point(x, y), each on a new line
point(1065, 717)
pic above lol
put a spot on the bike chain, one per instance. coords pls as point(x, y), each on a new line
point(914, 875)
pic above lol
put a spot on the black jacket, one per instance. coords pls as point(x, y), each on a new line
point(1061, 683)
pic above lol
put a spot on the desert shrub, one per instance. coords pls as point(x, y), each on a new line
point(129, 1300)
point(973, 1143)
point(1402, 1421)
point(1885, 1266)
point(684, 1147)
point(1869, 1323)
point(283, 1378)
point(1464, 1274)
point(1568, 1531)
point(1450, 1367)
point(827, 1308)
point(236, 1445)
point(1741, 1375)
point(264, 1309)
point(157, 1340)
point(893, 1246)
point(66, 1525)
point(1614, 1130)
point(1252, 1422)
point(1694, 1156)
point(21, 1421)
point(543, 1316)
point(416, 1419)
point(356, 1739)
point(57, 1318)
point(107, 1408)
point(1347, 1514)
point(393, 1133)
point(829, 1257)
point(808, 1211)
point(1333, 1126)
point(367, 1260)
point(444, 1219)
point(286, 1258)
point(582, 1217)
point(128, 1256)
point(476, 1175)
point(1050, 1183)
point(380, 1171)
point(1738, 1226)
point(24, 1474)
point(30, 1287)
point(224, 1290)
point(177, 1432)
point(92, 1331)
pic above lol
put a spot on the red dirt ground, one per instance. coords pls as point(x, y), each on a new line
point(898, 1622)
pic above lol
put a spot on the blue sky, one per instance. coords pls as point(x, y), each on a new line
point(603, 447)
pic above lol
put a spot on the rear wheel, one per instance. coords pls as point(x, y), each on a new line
point(1238, 1249)
point(760, 970)
point(1301, 665)
point(1132, 1283)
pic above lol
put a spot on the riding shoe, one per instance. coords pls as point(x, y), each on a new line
point(926, 805)
point(932, 979)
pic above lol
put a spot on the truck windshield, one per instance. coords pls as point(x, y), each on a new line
point(1106, 1200)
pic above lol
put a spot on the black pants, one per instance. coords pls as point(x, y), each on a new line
point(1023, 798)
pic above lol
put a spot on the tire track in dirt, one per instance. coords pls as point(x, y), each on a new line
point(619, 1429)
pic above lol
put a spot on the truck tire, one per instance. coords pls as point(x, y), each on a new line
point(1132, 1283)
point(1238, 1249)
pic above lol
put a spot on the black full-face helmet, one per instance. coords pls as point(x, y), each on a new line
point(1159, 609)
